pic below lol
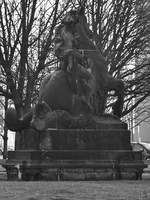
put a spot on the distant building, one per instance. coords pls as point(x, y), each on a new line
point(11, 135)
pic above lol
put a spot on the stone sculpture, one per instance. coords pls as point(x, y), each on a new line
point(76, 50)
point(81, 84)
point(71, 136)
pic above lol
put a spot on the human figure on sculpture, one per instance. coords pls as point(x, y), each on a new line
point(71, 60)
point(98, 65)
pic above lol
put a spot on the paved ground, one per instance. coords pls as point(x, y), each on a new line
point(85, 190)
point(100, 190)
point(76, 190)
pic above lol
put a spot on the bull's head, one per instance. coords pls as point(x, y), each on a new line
point(14, 123)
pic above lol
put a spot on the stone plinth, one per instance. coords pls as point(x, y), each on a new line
point(103, 153)
point(88, 139)
point(74, 164)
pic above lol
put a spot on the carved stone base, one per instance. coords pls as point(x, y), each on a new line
point(104, 153)
point(37, 165)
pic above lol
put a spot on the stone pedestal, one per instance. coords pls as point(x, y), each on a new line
point(103, 153)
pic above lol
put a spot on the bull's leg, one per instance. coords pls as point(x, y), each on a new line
point(119, 92)
point(118, 86)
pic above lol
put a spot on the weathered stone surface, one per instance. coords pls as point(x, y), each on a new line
point(78, 154)
point(64, 159)
point(27, 139)
point(67, 136)
point(73, 169)
point(86, 139)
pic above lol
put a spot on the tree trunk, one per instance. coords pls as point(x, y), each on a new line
point(5, 137)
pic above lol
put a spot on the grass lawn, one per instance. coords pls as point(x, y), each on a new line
point(100, 190)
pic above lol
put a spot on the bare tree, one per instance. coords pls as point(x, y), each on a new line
point(26, 40)
point(121, 31)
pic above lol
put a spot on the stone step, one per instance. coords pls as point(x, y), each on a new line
point(74, 170)
point(72, 164)
point(74, 155)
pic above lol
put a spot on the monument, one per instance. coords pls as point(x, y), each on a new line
point(72, 136)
